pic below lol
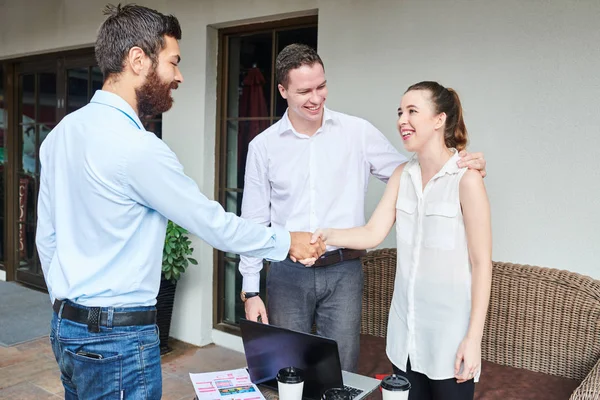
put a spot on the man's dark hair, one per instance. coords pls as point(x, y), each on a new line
point(294, 56)
point(130, 26)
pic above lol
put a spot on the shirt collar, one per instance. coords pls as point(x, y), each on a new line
point(450, 167)
point(117, 102)
point(286, 124)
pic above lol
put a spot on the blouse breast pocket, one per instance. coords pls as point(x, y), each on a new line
point(406, 220)
point(439, 225)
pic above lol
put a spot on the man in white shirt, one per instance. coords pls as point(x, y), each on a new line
point(310, 170)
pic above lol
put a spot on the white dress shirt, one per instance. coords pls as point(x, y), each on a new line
point(107, 188)
point(431, 305)
point(302, 183)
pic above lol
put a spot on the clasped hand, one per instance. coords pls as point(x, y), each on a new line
point(305, 248)
point(309, 247)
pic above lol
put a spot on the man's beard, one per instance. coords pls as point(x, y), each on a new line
point(154, 96)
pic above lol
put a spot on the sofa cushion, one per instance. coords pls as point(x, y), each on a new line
point(372, 359)
point(502, 382)
point(497, 381)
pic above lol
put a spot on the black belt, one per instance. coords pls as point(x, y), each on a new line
point(339, 255)
point(94, 317)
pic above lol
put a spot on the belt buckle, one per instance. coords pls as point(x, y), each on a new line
point(93, 321)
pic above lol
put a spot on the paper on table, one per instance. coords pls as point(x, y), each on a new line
point(231, 385)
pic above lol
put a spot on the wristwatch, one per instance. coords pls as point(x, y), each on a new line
point(246, 295)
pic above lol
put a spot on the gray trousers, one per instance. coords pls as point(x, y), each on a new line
point(329, 296)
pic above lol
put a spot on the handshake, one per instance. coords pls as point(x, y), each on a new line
point(307, 247)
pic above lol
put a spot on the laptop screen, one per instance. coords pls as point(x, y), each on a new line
point(269, 348)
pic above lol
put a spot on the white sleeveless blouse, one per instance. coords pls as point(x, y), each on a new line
point(431, 306)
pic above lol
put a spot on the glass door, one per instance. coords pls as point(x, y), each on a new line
point(249, 102)
point(36, 115)
point(45, 91)
point(42, 90)
point(3, 130)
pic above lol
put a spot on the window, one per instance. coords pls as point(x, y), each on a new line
point(249, 102)
point(3, 119)
point(82, 83)
point(37, 117)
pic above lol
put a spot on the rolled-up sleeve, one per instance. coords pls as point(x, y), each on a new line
point(154, 177)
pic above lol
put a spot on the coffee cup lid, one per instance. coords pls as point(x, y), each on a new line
point(336, 394)
point(395, 383)
point(290, 375)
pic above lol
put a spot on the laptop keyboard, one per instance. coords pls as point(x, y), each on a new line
point(353, 391)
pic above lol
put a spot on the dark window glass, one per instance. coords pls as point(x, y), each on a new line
point(77, 88)
point(251, 104)
point(3, 121)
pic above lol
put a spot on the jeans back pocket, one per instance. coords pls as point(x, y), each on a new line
point(94, 374)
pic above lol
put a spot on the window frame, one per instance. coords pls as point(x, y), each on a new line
point(222, 119)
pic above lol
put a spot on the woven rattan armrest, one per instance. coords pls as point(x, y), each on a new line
point(543, 320)
point(590, 387)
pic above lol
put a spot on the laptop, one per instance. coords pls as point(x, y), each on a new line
point(269, 348)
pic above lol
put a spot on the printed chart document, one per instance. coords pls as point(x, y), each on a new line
point(226, 385)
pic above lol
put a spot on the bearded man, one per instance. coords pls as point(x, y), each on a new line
point(107, 189)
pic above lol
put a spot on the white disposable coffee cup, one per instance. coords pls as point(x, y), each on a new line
point(290, 383)
point(395, 387)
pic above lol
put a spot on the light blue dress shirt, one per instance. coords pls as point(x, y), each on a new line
point(107, 189)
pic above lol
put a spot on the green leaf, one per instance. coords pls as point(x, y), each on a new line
point(176, 250)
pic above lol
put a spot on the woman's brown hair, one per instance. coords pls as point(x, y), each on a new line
point(445, 100)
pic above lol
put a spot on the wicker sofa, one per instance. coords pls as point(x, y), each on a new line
point(541, 339)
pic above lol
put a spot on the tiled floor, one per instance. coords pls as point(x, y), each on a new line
point(29, 371)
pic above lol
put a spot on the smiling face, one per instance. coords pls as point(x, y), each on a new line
point(418, 122)
point(306, 93)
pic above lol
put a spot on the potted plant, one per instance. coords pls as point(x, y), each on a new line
point(176, 258)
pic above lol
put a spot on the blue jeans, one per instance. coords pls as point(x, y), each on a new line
point(330, 297)
point(130, 363)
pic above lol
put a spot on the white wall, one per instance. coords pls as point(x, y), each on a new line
point(526, 72)
point(527, 75)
